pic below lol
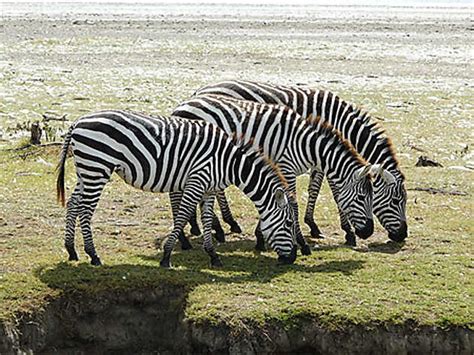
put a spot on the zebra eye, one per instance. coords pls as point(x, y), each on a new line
point(288, 224)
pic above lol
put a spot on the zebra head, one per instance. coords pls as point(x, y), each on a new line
point(390, 199)
point(279, 228)
point(355, 200)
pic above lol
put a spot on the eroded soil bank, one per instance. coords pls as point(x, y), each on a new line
point(154, 321)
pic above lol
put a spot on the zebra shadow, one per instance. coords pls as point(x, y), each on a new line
point(389, 247)
point(189, 268)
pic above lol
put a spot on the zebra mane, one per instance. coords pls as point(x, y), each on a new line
point(327, 128)
point(365, 119)
point(256, 154)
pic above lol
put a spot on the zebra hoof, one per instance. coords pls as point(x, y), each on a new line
point(216, 262)
point(186, 245)
point(235, 228)
point(350, 241)
point(288, 259)
point(95, 260)
point(305, 250)
point(73, 256)
point(316, 233)
point(195, 230)
point(260, 247)
point(220, 236)
point(165, 263)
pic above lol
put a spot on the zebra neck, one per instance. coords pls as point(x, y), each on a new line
point(335, 158)
point(257, 180)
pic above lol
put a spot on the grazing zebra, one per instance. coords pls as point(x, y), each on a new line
point(297, 145)
point(159, 154)
point(356, 126)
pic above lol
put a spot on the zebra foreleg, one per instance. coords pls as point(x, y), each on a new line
point(227, 213)
point(305, 249)
point(175, 199)
point(207, 217)
point(346, 227)
point(345, 224)
point(71, 217)
point(191, 197)
point(260, 246)
point(195, 230)
point(314, 187)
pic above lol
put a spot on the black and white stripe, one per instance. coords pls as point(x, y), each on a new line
point(296, 145)
point(161, 155)
point(356, 126)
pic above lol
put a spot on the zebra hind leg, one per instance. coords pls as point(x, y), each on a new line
point(71, 217)
point(175, 199)
point(227, 213)
point(207, 221)
point(90, 198)
point(314, 187)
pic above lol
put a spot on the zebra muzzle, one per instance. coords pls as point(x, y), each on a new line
point(367, 230)
point(401, 235)
point(288, 259)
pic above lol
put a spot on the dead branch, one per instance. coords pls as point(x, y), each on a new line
point(435, 191)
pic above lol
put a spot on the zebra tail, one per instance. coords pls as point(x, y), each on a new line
point(60, 191)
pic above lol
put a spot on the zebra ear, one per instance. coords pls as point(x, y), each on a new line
point(281, 198)
point(386, 175)
point(376, 169)
point(362, 172)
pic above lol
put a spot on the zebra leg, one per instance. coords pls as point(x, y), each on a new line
point(216, 225)
point(175, 199)
point(191, 196)
point(305, 249)
point(260, 246)
point(314, 187)
point(90, 198)
point(207, 217)
point(345, 224)
point(227, 213)
point(195, 230)
point(71, 217)
point(346, 227)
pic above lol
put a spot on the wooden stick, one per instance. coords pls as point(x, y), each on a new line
point(433, 190)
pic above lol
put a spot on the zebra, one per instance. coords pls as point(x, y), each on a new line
point(160, 154)
point(356, 126)
point(296, 145)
